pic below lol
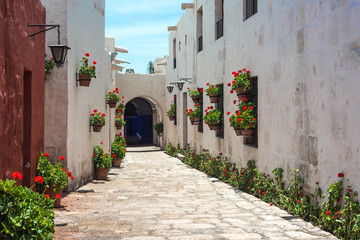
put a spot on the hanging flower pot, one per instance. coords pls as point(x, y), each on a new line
point(171, 117)
point(194, 94)
point(196, 99)
point(97, 127)
point(112, 103)
point(214, 92)
point(214, 98)
point(215, 126)
point(119, 122)
point(241, 93)
point(118, 127)
point(171, 113)
point(195, 121)
point(237, 130)
point(241, 83)
point(248, 132)
point(112, 98)
point(84, 80)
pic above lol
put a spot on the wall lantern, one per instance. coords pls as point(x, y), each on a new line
point(59, 51)
point(170, 88)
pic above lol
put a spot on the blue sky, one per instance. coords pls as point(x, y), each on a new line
point(141, 27)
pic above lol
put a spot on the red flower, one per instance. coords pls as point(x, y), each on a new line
point(197, 104)
point(58, 196)
point(245, 108)
point(187, 88)
point(236, 74)
point(228, 113)
point(122, 97)
point(238, 114)
point(69, 174)
point(245, 99)
point(64, 169)
point(239, 120)
point(202, 90)
point(92, 114)
point(338, 200)
point(251, 107)
point(93, 67)
point(52, 59)
point(103, 114)
point(248, 187)
point(86, 54)
point(220, 153)
point(327, 213)
point(231, 91)
point(101, 142)
point(17, 175)
point(109, 92)
point(258, 191)
point(114, 155)
point(229, 84)
point(233, 73)
point(95, 110)
point(116, 89)
point(94, 154)
point(39, 179)
point(72, 177)
point(207, 84)
point(94, 62)
point(348, 189)
point(47, 195)
point(247, 71)
point(234, 101)
point(62, 158)
point(239, 71)
point(241, 173)
point(46, 154)
point(254, 119)
point(263, 193)
point(244, 69)
point(340, 175)
point(271, 204)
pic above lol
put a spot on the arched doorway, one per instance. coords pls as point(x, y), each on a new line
point(139, 122)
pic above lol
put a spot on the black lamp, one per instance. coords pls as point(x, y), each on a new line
point(180, 84)
point(59, 51)
point(170, 88)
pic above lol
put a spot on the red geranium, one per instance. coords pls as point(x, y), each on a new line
point(47, 195)
point(58, 196)
point(46, 154)
point(340, 175)
point(86, 54)
point(39, 179)
point(94, 62)
point(17, 175)
point(69, 174)
point(62, 158)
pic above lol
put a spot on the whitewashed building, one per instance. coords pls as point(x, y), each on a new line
point(306, 57)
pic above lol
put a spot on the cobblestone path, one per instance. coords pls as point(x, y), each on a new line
point(156, 197)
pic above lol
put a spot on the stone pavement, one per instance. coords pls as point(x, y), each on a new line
point(156, 197)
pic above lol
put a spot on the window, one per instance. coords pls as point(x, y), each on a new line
point(200, 29)
point(174, 52)
point(253, 141)
point(175, 122)
point(219, 18)
point(220, 105)
point(179, 45)
point(185, 40)
point(249, 8)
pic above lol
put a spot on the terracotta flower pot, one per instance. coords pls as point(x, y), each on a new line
point(101, 173)
point(117, 162)
point(112, 103)
point(247, 133)
point(84, 80)
point(171, 117)
point(237, 131)
point(118, 127)
point(215, 127)
point(52, 195)
point(196, 99)
point(214, 98)
point(241, 93)
point(195, 121)
point(97, 127)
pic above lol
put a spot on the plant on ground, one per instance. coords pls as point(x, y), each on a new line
point(101, 159)
point(54, 176)
point(118, 150)
point(119, 138)
point(172, 151)
point(24, 214)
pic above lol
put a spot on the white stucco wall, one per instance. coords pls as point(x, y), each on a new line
point(306, 56)
point(84, 23)
point(147, 86)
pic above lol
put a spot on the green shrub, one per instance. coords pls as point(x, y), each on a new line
point(24, 214)
point(101, 159)
point(117, 150)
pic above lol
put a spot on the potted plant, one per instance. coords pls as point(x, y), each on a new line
point(119, 138)
point(172, 111)
point(213, 118)
point(194, 94)
point(49, 65)
point(112, 98)
point(194, 115)
point(214, 92)
point(119, 122)
point(86, 71)
point(97, 120)
point(241, 83)
point(118, 151)
point(159, 128)
point(102, 163)
point(235, 123)
point(120, 109)
point(54, 178)
point(247, 118)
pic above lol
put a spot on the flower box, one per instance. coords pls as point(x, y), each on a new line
point(215, 126)
point(97, 127)
point(214, 98)
point(195, 121)
point(237, 130)
point(248, 132)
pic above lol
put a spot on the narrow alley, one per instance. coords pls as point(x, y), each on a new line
point(155, 197)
